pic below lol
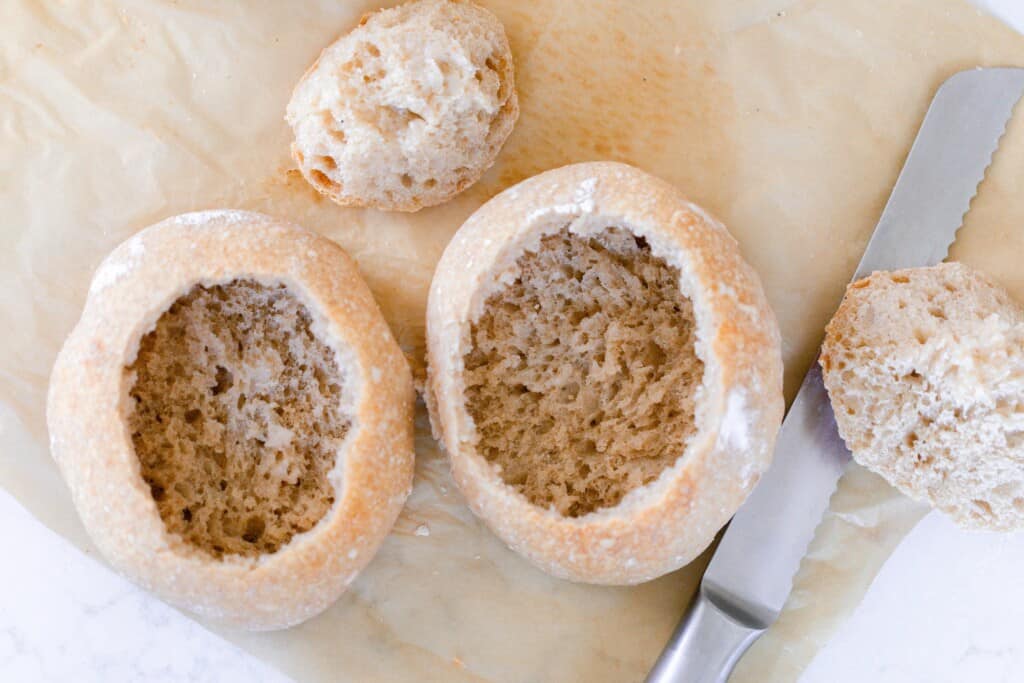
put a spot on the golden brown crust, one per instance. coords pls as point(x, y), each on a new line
point(93, 449)
point(664, 525)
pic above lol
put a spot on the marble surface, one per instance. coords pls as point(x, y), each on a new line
point(64, 616)
point(947, 606)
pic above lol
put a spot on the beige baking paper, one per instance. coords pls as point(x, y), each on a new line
point(789, 120)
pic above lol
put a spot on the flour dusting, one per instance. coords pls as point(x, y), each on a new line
point(734, 431)
point(705, 216)
point(226, 216)
point(582, 202)
point(116, 266)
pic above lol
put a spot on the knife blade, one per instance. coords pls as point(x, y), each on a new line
point(751, 572)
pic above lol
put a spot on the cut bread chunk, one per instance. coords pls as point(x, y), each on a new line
point(233, 417)
point(925, 370)
point(408, 109)
point(604, 372)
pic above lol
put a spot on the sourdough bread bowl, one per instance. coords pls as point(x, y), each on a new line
point(925, 371)
point(233, 417)
point(604, 372)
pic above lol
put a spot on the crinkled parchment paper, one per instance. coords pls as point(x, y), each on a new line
point(789, 120)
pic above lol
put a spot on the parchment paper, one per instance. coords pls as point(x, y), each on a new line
point(789, 120)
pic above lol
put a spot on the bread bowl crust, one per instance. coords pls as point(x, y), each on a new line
point(664, 525)
point(93, 449)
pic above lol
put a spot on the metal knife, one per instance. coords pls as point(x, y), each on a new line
point(751, 573)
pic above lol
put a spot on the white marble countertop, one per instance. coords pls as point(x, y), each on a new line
point(65, 617)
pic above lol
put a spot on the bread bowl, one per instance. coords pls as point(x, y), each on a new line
point(602, 455)
point(233, 417)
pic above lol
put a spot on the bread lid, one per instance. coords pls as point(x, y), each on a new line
point(662, 518)
point(925, 371)
point(407, 109)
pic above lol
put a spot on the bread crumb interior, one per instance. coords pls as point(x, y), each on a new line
point(236, 419)
point(582, 375)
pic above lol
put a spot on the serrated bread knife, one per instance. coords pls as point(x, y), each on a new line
point(751, 572)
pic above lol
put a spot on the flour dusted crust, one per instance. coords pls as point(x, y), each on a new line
point(299, 572)
point(663, 524)
point(408, 109)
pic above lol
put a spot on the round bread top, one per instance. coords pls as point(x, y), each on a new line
point(925, 371)
point(408, 109)
point(233, 417)
point(604, 372)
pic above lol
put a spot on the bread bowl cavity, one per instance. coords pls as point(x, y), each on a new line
point(604, 372)
point(236, 418)
point(582, 375)
point(233, 417)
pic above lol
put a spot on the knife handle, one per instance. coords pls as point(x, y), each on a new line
point(705, 646)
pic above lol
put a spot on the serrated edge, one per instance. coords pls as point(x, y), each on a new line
point(984, 173)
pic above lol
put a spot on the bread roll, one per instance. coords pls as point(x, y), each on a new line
point(604, 372)
point(925, 370)
point(233, 417)
point(408, 109)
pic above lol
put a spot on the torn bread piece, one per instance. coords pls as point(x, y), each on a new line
point(925, 370)
point(408, 109)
